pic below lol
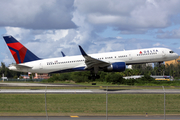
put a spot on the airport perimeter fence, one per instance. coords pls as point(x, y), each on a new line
point(108, 103)
point(22, 80)
point(131, 82)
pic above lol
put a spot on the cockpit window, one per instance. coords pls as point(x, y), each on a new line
point(171, 51)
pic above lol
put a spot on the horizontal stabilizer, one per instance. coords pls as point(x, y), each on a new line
point(20, 66)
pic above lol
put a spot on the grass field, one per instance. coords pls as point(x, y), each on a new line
point(88, 104)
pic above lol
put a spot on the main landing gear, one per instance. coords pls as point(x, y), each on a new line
point(159, 66)
point(93, 76)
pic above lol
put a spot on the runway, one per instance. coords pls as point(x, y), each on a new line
point(94, 118)
point(88, 91)
point(78, 91)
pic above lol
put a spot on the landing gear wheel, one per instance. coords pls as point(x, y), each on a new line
point(93, 77)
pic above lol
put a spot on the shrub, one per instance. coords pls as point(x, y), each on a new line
point(114, 78)
point(60, 77)
point(80, 76)
point(102, 76)
point(129, 81)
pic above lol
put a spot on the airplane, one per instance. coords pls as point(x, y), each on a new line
point(26, 61)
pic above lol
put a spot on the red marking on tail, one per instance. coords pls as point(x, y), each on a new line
point(16, 46)
point(15, 56)
point(22, 53)
point(21, 49)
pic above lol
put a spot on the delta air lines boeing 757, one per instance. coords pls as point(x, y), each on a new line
point(26, 61)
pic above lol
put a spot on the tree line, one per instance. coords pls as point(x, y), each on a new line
point(162, 69)
point(117, 77)
point(9, 73)
point(139, 69)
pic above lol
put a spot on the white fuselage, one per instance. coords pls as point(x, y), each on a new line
point(75, 63)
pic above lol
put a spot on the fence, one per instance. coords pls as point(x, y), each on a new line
point(101, 104)
point(22, 80)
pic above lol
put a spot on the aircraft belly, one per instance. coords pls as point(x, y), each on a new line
point(53, 68)
point(144, 59)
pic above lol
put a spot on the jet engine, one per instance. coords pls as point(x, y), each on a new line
point(116, 67)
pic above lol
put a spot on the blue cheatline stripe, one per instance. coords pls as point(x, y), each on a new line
point(69, 70)
point(17, 52)
point(9, 39)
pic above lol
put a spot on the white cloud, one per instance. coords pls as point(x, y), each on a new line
point(126, 16)
point(66, 24)
point(7, 60)
point(159, 45)
point(118, 37)
point(37, 14)
point(52, 35)
point(17, 32)
point(129, 16)
point(174, 34)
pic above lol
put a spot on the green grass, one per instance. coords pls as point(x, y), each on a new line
point(88, 104)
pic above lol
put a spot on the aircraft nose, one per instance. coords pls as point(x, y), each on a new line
point(176, 55)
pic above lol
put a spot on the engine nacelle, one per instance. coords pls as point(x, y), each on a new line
point(116, 67)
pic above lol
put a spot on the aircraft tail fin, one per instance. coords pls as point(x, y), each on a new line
point(20, 53)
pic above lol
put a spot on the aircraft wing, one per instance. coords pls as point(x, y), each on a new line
point(92, 62)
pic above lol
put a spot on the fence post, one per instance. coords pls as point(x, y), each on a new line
point(164, 103)
point(107, 103)
point(46, 105)
point(3, 77)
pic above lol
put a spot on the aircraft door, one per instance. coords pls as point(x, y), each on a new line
point(163, 54)
point(40, 66)
point(130, 56)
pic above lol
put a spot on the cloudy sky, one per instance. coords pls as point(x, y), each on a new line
point(47, 27)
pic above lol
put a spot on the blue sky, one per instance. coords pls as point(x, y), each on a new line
point(47, 28)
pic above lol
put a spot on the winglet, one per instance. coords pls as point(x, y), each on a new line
point(82, 51)
point(63, 54)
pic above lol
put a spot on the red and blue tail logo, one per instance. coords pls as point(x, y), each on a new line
point(20, 53)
